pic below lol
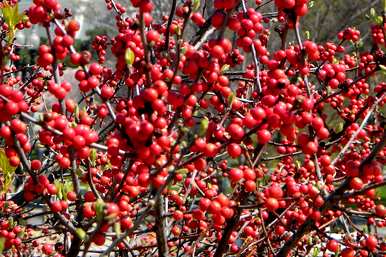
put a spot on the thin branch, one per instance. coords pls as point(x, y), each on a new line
point(170, 21)
point(354, 136)
point(338, 194)
point(266, 233)
point(299, 39)
point(254, 55)
point(161, 229)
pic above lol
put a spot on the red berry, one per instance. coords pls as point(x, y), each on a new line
point(235, 174)
point(272, 204)
point(234, 150)
point(79, 142)
point(332, 245)
point(356, 183)
point(56, 206)
point(348, 252)
point(263, 136)
point(371, 243)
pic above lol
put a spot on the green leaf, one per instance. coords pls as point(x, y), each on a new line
point(372, 12)
point(6, 170)
point(339, 127)
point(99, 209)
point(196, 5)
point(311, 4)
point(333, 121)
point(60, 188)
point(12, 17)
point(203, 126)
point(174, 187)
point(93, 157)
point(307, 34)
point(81, 233)
point(2, 242)
point(315, 252)
point(253, 137)
point(182, 171)
point(21, 233)
point(225, 185)
point(76, 112)
point(381, 192)
point(225, 68)
point(231, 98)
point(178, 30)
point(298, 164)
point(378, 20)
point(129, 56)
point(117, 228)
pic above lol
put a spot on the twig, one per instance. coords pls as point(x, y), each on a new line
point(330, 201)
point(281, 156)
point(319, 176)
point(204, 38)
point(266, 233)
point(299, 39)
point(141, 218)
point(353, 137)
point(97, 89)
point(170, 21)
point(161, 229)
point(254, 55)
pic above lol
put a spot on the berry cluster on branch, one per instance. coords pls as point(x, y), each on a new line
point(193, 135)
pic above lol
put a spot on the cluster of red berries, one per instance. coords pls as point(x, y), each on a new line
point(42, 186)
point(91, 80)
point(110, 4)
point(15, 101)
point(99, 44)
point(40, 10)
point(11, 234)
point(15, 131)
point(76, 138)
point(299, 6)
point(329, 50)
point(371, 173)
point(247, 30)
point(350, 34)
point(60, 47)
point(333, 74)
point(191, 126)
point(312, 50)
point(61, 44)
point(246, 174)
point(59, 91)
point(220, 207)
point(145, 6)
point(378, 34)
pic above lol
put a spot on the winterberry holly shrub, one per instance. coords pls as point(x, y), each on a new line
point(192, 135)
